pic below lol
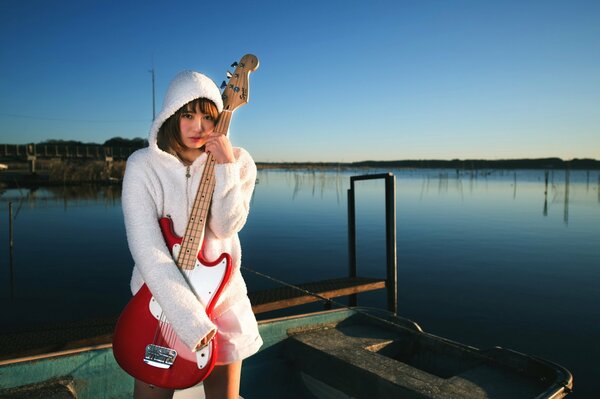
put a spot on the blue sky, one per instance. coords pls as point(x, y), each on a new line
point(338, 80)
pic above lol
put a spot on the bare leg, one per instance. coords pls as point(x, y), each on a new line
point(141, 390)
point(224, 382)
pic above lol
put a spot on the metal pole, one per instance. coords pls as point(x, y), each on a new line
point(153, 102)
point(352, 299)
point(10, 250)
point(390, 237)
point(390, 241)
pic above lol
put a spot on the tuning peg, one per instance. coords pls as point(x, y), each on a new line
point(223, 85)
point(229, 75)
point(234, 64)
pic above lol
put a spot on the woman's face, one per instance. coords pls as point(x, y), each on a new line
point(195, 127)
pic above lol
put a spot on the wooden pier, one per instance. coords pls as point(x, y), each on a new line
point(29, 152)
point(286, 297)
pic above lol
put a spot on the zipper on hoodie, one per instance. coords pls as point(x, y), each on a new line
point(187, 187)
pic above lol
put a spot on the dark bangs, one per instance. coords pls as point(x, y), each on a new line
point(203, 105)
point(168, 137)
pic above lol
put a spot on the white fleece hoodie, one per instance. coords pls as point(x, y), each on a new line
point(156, 185)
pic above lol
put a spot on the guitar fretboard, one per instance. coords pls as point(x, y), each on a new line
point(194, 232)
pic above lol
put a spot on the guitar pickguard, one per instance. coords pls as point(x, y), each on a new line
point(203, 280)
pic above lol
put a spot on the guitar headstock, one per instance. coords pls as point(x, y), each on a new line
point(236, 91)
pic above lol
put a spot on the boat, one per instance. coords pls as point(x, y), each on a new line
point(341, 353)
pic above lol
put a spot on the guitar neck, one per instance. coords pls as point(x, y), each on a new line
point(194, 232)
point(223, 122)
point(235, 94)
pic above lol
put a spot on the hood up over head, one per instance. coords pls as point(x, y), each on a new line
point(185, 87)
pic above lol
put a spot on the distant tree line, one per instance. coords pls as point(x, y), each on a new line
point(539, 163)
point(113, 142)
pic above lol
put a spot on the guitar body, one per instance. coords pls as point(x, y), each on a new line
point(141, 324)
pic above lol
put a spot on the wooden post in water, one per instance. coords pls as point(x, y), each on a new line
point(10, 227)
point(566, 205)
point(390, 241)
point(31, 157)
point(10, 249)
point(587, 184)
point(352, 300)
point(545, 193)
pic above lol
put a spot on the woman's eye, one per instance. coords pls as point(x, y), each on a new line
point(187, 116)
point(208, 117)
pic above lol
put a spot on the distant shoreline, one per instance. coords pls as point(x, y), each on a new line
point(467, 164)
point(66, 151)
point(74, 171)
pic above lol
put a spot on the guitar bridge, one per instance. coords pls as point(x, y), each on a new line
point(159, 356)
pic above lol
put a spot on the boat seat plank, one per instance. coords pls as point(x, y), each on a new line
point(285, 297)
point(375, 361)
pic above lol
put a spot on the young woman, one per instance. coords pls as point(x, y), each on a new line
point(162, 180)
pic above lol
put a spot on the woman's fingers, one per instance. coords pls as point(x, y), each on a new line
point(220, 147)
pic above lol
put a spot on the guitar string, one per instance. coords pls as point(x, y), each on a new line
point(204, 191)
point(168, 334)
point(186, 257)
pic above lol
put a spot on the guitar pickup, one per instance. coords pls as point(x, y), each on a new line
point(159, 356)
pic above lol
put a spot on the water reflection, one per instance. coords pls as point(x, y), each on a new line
point(315, 182)
point(66, 196)
point(316, 197)
point(473, 248)
point(566, 201)
point(444, 183)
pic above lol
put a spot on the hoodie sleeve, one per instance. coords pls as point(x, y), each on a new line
point(182, 308)
point(234, 185)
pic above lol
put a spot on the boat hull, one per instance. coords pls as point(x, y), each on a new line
point(342, 353)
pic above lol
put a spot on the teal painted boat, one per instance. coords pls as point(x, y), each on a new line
point(358, 353)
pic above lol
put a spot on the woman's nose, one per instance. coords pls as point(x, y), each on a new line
point(200, 124)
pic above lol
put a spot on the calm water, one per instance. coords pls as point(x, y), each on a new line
point(484, 258)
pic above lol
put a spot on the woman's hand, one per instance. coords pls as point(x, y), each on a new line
point(220, 147)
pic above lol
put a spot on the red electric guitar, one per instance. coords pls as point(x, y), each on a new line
point(144, 343)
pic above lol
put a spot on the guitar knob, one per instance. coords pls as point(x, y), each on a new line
point(223, 85)
point(234, 64)
point(229, 75)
